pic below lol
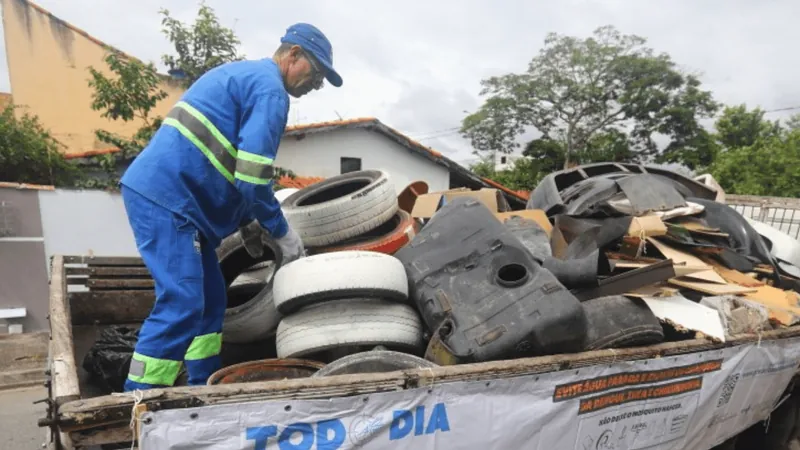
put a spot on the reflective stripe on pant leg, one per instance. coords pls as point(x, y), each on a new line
point(203, 362)
point(204, 346)
point(153, 371)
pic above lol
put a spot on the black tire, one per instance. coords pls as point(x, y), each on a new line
point(341, 207)
point(250, 315)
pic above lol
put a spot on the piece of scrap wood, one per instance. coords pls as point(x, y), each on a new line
point(678, 256)
point(653, 290)
point(711, 288)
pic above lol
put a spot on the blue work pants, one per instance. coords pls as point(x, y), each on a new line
point(185, 324)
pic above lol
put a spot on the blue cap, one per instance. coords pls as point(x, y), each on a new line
point(313, 41)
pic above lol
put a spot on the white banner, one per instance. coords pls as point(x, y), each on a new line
point(692, 401)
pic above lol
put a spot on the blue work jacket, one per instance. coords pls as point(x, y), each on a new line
point(211, 160)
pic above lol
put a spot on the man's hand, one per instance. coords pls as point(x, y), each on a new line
point(291, 246)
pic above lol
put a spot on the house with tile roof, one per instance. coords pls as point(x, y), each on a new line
point(326, 149)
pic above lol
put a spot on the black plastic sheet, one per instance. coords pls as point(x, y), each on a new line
point(109, 359)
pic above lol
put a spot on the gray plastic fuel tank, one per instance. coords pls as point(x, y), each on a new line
point(481, 293)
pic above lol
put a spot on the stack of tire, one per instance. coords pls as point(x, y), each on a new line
point(342, 303)
point(353, 211)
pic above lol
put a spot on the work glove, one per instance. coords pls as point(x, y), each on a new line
point(291, 246)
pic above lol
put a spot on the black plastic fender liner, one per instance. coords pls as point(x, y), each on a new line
point(548, 193)
point(745, 240)
point(617, 322)
point(481, 292)
point(572, 273)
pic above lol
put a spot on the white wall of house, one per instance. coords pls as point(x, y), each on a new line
point(319, 154)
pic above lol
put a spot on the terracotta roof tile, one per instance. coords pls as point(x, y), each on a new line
point(332, 123)
point(38, 187)
point(89, 153)
point(298, 182)
point(519, 194)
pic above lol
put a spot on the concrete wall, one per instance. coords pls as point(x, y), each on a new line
point(36, 224)
point(47, 63)
point(23, 267)
point(318, 155)
point(85, 222)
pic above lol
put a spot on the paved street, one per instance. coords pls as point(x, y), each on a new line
point(18, 416)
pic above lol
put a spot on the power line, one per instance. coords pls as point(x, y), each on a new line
point(788, 108)
point(429, 134)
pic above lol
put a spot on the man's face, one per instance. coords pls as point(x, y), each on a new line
point(304, 73)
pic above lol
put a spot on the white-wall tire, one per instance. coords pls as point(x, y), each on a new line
point(341, 207)
point(349, 322)
point(337, 275)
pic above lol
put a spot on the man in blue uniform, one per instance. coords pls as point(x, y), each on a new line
point(206, 171)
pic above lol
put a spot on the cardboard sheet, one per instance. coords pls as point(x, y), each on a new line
point(684, 313)
point(646, 226)
point(689, 260)
point(536, 215)
point(427, 204)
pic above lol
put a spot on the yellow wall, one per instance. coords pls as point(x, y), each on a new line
point(47, 63)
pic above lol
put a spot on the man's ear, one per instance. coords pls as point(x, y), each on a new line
point(296, 51)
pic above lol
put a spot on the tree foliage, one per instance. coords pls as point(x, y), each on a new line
point(770, 166)
point(757, 156)
point(199, 47)
point(29, 154)
point(576, 89)
point(130, 93)
point(524, 174)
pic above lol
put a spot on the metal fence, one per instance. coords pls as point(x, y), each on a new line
point(781, 213)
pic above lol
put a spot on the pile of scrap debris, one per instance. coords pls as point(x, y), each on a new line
point(604, 256)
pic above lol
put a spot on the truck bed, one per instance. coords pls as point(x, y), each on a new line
point(82, 416)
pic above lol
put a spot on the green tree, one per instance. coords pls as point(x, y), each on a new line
point(738, 127)
point(576, 89)
point(769, 166)
point(524, 174)
point(29, 154)
point(199, 47)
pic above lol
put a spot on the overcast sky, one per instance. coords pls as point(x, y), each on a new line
point(416, 65)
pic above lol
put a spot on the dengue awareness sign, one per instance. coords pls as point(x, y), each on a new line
point(690, 401)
